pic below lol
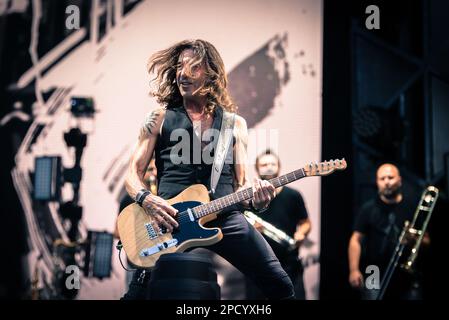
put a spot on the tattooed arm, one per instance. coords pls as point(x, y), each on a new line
point(263, 191)
point(143, 152)
point(154, 205)
point(240, 152)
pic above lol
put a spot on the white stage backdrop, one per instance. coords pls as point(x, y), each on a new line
point(272, 51)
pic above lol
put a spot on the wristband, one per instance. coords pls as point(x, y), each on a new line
point(141, 195)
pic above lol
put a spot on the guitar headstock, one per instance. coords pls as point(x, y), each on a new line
point(324, 168)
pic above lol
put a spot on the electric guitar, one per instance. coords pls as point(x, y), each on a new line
point(143, 245)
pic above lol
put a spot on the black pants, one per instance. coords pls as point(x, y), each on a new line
point(295, 270)
point(246, 249)
point(293, 266)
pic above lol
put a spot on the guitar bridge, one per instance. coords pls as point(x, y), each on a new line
point(158, 247)
point(150, 230)
point(152, 234)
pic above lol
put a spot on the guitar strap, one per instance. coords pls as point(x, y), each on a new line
point(221, 150)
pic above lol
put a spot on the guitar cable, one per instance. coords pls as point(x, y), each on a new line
point(119, 247)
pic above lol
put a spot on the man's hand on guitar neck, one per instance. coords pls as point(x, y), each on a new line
point(263, 193)
point(161, 211)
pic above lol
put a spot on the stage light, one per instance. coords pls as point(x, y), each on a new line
point(82, 110)
point(380, 128)
point(73, 212)
point(75, 138)
point(367, 123)
point(70, 210)
point(47, 178)
point(98, 255)
point(82, 107)
point(73, 175)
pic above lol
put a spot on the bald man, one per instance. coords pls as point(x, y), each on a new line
point(376, 231)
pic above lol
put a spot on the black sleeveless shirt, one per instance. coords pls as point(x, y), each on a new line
point(177, 138)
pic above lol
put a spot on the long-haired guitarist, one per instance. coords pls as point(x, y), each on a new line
point(191, 88)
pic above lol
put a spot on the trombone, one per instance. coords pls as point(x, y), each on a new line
point(412, 230)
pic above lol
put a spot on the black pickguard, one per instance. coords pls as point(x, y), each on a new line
point(188, 229)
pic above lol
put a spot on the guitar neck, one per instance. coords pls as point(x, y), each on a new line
point(245, 194)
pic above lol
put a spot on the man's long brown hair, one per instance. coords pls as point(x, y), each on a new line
point(164, 63)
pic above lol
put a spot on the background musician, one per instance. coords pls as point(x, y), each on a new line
point(288, 213)
point(376, 232)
